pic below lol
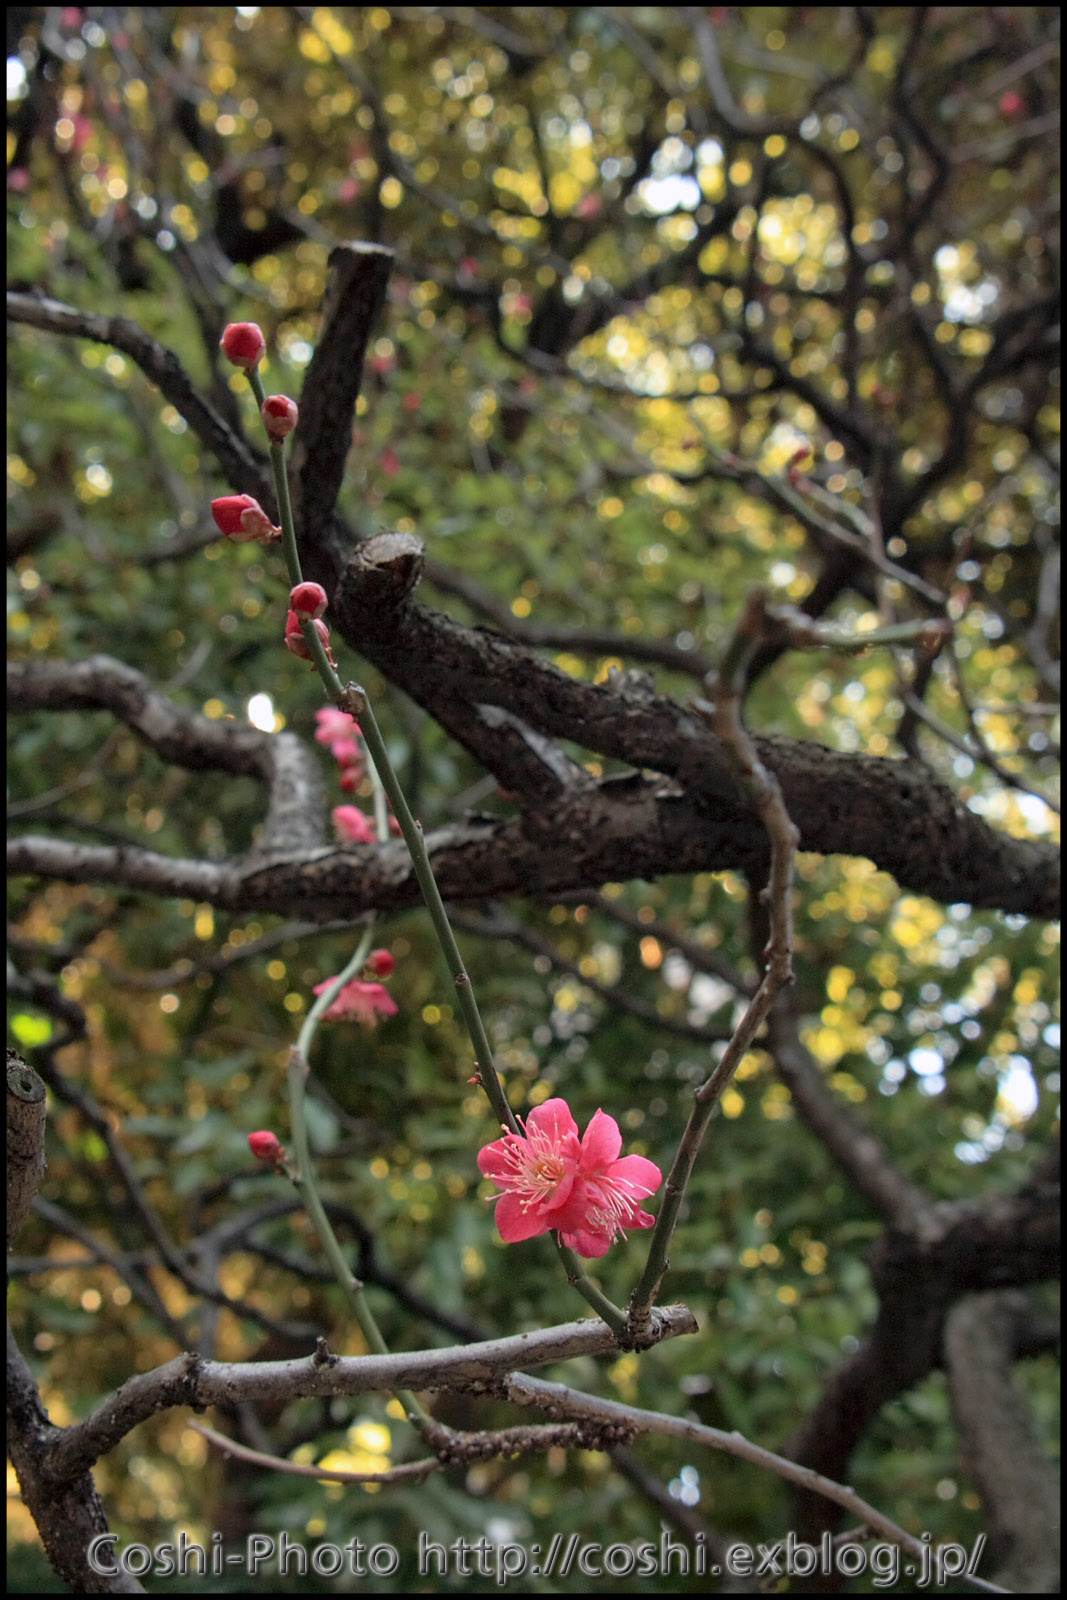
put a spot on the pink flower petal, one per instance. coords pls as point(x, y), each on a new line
point(517, 1221)
point(601, 1142)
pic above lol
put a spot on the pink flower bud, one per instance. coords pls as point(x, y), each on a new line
point(308, 599)
point(265, 1146)
point(334, 724)
point(381, 963)
point(243, 519)
point(347, 753)
point(280, 416)
point(243, 344)
point(295, 641)
point(352, 826)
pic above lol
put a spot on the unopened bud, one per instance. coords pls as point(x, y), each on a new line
point(243, 519)
point(266, 1146)
point(243, 344)
point(280, 416)
point(295, 641)
point(308, 599)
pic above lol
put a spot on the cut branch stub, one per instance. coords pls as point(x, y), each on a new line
point(381, 574)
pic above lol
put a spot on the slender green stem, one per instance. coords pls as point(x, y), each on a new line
point(765, 795)
point(281, 489)
point(326, 999)
point(361, 708)
point(285, 512)
point(579, 1279)
point(304, 1173)
point(304, 1179)
point(354, 700)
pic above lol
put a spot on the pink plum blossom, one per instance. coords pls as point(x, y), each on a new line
point(347, 753)
point(341, 733)
point(359, 1002)
point(554, 1181)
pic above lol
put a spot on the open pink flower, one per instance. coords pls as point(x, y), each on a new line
point(554, 1181)
point(359, 1002)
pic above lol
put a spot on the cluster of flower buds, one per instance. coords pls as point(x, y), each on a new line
point(295, 641)
point(307, 602)
point(341, 733)
point(243, 519)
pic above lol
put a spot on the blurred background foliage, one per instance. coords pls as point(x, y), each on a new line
point(621, 308)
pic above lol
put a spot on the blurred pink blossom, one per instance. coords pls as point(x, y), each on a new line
point(359, 1002)
point(353, 826)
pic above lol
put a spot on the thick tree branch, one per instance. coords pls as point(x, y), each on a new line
point(69, 1515)
point(246, 469)
point(474, 1368)
point(1019, 1485)
point(296, 814)
point(955, 1248)
point(355, 294)
point(890, 811)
